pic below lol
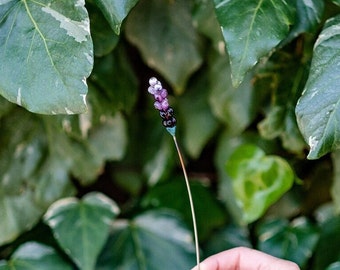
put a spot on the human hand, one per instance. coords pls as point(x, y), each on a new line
point(245, 259)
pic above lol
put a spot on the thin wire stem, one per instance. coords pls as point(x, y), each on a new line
point(191, 203)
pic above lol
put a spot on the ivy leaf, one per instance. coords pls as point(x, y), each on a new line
point(294, 241)
point(258, 180)
point(152, 240)
point(115, 11)
point(318, 109)
point(249, 32)
point(32, 255)
point(163, 32)
point(82, 227)
point(45, 54)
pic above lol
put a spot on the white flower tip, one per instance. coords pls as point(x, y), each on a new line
point(153, 81)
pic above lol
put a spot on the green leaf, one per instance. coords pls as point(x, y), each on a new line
point(258, 180)
point(206, 206)
point(335, 191)
point(205, 21)
point(115, 11)
point(251, 29)
point(151, 241)
point(226, 145)
point(163, 32)
point(294, 241)
point(82, 227)
point(32, 255)
point(45, 55)
point(318, 109)
point(235, 107)
point(104, 39)
point(199, 124)
point(280, 122)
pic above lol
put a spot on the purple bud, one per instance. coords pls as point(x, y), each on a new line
point(165, 104)
point(161, 95)
point(158, 106)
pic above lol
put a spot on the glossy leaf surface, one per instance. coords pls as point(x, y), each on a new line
point(53, 55)
point(318, 109)
point(295, 242)
point(82, 227)
point(150, 241)
point(250, 33)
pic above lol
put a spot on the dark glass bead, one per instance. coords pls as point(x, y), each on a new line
point(162, 114)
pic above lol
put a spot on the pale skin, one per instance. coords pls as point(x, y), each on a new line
point(245, 259)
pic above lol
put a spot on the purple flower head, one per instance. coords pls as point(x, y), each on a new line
point(162, 104)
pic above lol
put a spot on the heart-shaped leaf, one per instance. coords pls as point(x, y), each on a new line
point(258, 180)
point(249, 32)
point(82, 227)
point(45, 55)
point(294, 241)
point(163, 32)
point(33, 255)
point(318, 109)
point(152, 241)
